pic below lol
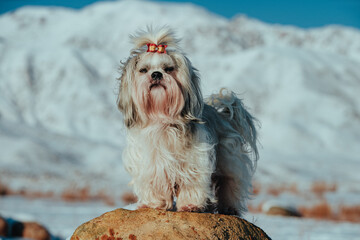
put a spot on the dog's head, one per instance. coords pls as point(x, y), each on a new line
point(158, 83)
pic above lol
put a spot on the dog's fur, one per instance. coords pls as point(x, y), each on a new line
point(203, 153)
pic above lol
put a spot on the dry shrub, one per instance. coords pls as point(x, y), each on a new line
point(83, 194)
point(256, 189)
point(349, 213)
point(319, 211)
point(276, 191)
point(324, 211)
point(319, 188)
point(36, 194)
point(255, 209)
point(73, 194)
point(108, 200)
point(4, 190)
point(273, 191)
point(128, 198)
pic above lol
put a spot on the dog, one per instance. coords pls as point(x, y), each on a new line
point(184, 153)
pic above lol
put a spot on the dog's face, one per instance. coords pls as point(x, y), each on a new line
point(159, 87)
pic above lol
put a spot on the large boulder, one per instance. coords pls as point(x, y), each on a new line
point(159, 224)
point(28, 230)
point(3, 227)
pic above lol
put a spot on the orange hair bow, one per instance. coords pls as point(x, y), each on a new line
point(156, 48)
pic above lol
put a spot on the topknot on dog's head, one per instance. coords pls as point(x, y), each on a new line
point(158, 36)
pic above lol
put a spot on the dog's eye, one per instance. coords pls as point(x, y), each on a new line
point(169, 69)
point(143, 70)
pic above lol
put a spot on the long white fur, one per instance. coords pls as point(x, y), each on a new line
point(203, 154)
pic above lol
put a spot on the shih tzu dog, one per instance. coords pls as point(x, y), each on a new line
point(201, 153)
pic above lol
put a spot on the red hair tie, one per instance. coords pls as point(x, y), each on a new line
point(156, 48)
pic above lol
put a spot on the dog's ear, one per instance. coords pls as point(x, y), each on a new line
point(125, 101)
point(190, 82)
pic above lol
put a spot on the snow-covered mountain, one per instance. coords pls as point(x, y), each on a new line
point(58, 69)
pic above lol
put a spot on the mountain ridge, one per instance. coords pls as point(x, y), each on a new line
point(58, 70)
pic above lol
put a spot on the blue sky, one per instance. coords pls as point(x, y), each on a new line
point(302, 13)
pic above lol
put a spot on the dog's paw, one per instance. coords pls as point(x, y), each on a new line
point(160, 206)
point(141, 206)
point(190, 208)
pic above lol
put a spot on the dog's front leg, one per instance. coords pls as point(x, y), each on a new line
point(193, 197)
point(152, 196)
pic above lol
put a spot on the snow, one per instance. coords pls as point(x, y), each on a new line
point(61, 218)
point(298, 229)
point(60, 127)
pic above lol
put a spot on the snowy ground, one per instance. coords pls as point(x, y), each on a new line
point(282, 228)
point(62, 218)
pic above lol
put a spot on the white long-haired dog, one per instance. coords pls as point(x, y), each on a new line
point(201, 152)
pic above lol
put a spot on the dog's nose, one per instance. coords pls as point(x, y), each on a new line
point(156, 76)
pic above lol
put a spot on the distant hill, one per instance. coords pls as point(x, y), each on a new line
point(58, 69)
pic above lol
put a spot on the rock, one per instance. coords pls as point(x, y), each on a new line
point(160, 224)
point(281, 208)
point(3, 227)
point(283, 211)
point(30, 230)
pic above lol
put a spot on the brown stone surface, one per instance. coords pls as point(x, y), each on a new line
point(3, 227)
point(159, 224)
point(281, 211)
point(30, 230)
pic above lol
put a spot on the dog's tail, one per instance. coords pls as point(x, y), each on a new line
point(232, 110)
point(237, 152)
